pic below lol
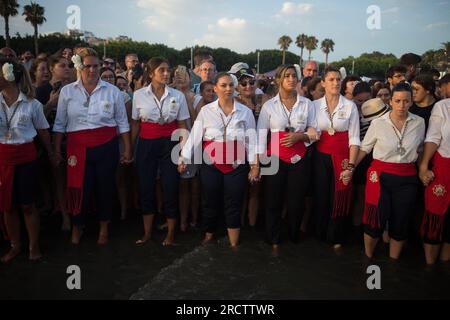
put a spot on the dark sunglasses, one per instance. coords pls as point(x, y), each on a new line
point(247, 82)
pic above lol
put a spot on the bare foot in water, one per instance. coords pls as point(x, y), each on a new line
point(275, 250)
point(168, 241)
point(183, 227)
point(207, 239)
point(144, 239)
point(77, 233)
point(102, 239)
point(12, 253)
point(35, 254)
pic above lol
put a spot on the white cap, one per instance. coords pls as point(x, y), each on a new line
point(238, 66)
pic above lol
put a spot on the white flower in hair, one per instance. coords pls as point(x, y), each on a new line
point(78, 64)
point(8, 72)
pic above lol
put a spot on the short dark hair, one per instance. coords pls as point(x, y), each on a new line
point(221, 75)
point(444, 80)
point(154, 63)
point(395, 69)
point(348, 79)
point(104, 69)
point(328, 70)
point(361, 87)
point(434, 72)
point(427, 82)
point(410, 59)
point(402, 87)
point(204, 84)
point(377, 87)
point(201, 55)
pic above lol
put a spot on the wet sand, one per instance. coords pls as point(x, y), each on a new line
point(122, 270)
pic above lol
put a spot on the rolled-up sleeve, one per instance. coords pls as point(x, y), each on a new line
point(39, 120)
point(195, 138)
point(251, 139)
point(120, 114)
point(434, 133)
point(263, 127)
point(61, 119)
point(183, 114)
point(134, 109)
point(370, 138)
point(353, 128)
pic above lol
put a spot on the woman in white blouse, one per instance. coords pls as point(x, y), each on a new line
point(158, 111)
point(396, 139)
point(222, 135)
point(435, 175)
point(288, 116)
point(336, 152)
point(21, 119)
point(91, 112)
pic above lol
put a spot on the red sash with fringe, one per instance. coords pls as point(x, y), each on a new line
point(225, 156)
point(285, 153)
point(371, 215)
point(11, 155)
point(337, 146)
point(437, 199)
point(150, 130)
point(77, 143)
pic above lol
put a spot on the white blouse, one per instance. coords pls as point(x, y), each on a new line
point(209, 125)
point(147, 108)
point(77, 111)
point(383, 138)
point(28, 118)
point(439, 127)
point(345, 118)
point(274, 116)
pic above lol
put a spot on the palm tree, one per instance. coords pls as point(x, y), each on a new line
point(446, 46)
point(311, 44)
point(284, 42)
point(35, 15)
point(327, 46)
point(300, 42)
point(8, 8)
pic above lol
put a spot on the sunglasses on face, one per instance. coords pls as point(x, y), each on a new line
point(247, 82)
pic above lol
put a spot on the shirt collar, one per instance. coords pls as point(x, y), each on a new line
point(100, 84)
point(340, 105)
point(236, 106)
point(386, 117)
point(21, 97)
point(277, 99)
point(150, 91)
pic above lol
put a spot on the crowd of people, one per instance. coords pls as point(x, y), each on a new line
point(78, 131)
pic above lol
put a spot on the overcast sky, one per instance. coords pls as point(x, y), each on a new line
point(247, 25)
